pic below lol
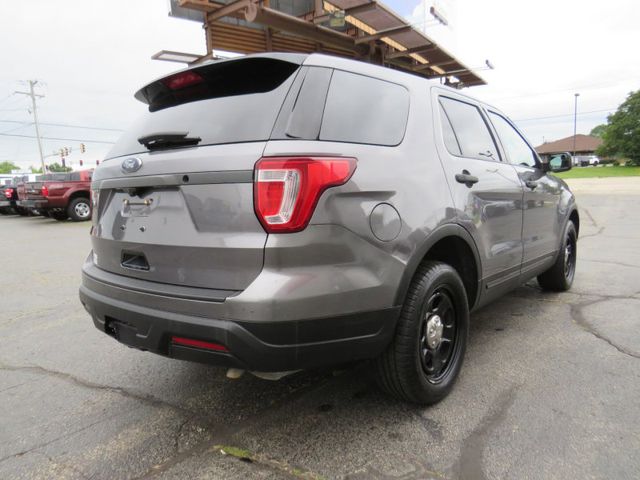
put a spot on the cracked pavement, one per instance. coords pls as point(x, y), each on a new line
point(549, 388)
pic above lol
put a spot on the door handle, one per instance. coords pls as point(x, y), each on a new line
point(466, 178)
point(532, 184)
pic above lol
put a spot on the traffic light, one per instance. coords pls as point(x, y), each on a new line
point(97, 162)
point(61, 153)
point(82, 148)
point(81, 163)
point(66, 152)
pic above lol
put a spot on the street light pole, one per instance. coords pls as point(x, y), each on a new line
point(575, 121)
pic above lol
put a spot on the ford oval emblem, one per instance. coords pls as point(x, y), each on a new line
point(131, 164)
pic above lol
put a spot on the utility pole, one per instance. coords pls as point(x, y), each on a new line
point(33, 95)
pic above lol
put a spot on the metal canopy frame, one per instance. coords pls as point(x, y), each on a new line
point(372, 32)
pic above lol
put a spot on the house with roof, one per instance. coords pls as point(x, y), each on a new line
point(584, 145)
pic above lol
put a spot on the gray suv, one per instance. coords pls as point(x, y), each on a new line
point(280, 212)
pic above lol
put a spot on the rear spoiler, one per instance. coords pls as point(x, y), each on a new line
point(220, 78)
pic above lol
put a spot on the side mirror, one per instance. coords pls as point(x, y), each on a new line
point(560, 163)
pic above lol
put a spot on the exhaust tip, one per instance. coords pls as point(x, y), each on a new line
point(235, 373)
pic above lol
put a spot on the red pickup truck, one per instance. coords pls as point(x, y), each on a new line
point(59, 195)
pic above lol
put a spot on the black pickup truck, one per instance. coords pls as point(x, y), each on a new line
point(9, 197)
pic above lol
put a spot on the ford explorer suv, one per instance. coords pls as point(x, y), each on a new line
point(279, 212)
point(60, 195)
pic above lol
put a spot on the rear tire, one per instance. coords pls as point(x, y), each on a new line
point(559, 277)
point(424, 358)
point(79, 209)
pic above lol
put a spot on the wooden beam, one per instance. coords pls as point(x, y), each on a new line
point(452, 72)
point(426, 66)
point(268, 37)
point(421, 49)
point(233, 8)
point(383, 33)
point(298, 26)
point(201, 5)
point(365, 7)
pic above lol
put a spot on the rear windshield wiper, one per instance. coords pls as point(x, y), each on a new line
point(157, 141)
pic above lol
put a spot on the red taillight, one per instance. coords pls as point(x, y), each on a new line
point(286, 189)
point(8, 192)
point(190, 342)
point(45, 191)
point(182, 80)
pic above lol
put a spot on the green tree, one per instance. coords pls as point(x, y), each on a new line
point(35, 170)
point(56, 167)
point(598, 130)
point(622, 135)
point(6, 167)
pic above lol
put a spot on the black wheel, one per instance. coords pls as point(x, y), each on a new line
point(423, 360)
point(23, 212)
point(60, 216)
point(79, 209)
point(559, 277)
point(44, 213)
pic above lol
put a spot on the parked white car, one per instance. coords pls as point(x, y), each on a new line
point(586, 160)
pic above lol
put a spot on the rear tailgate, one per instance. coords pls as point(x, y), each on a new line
point(183, 214)
point(33, 191)
point(189, 227)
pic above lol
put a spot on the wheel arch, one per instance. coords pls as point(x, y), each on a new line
point(451, 244)
point(574, 216)
point(80, 193)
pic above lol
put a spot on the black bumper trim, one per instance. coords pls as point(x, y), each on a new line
point(33, 203)
point(260, 346)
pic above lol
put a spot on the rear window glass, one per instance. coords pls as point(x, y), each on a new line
point(470, 130)
point(362, 109)
point(53, 177)
point(238, 102)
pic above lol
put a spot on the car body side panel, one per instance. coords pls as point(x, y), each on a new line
point(490, 210)
point(407, 177)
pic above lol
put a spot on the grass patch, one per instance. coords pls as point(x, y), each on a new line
point(600, 172)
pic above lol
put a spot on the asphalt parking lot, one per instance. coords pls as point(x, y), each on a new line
point(550, 387)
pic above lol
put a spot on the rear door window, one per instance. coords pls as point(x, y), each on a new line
point(473, 139)
point(517, 149)
point(362, 109)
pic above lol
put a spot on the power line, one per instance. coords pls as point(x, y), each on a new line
point(565, 115)
point(67, 125)
point(17, 128)
point(56, 138)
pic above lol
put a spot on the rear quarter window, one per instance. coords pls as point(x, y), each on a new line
point(361, 109)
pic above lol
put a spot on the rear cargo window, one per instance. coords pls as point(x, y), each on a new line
point(229, 102)
point(53, 177)
point(362, 109)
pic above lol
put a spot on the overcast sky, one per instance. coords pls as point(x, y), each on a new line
point(90, 56)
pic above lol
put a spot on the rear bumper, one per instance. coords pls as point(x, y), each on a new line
point(35, 204)
point(267, 346)
point(5, 203)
